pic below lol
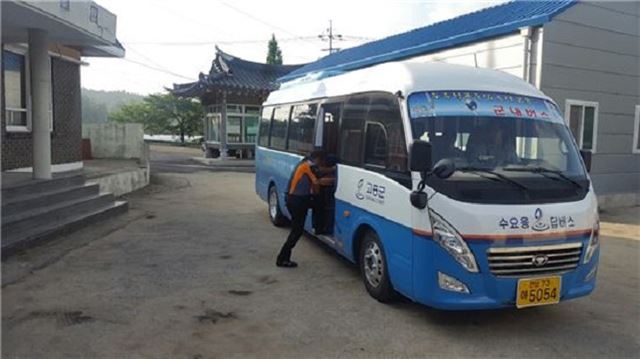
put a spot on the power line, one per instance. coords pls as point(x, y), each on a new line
point(203, 43)
point(159, 69)
point(260, 20)
point(239, 42)
point(148, 59)
point(330, 36)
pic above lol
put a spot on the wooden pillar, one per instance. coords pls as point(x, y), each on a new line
point(223, 125)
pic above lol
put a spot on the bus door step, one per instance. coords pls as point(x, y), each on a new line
point(326, 239)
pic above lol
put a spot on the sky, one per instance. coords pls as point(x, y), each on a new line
point(173, 41)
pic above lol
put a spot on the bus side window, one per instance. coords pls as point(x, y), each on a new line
point(375, 147)
point(279, 127)
point(301, 128)
point(352, 130)
point(384, 110)
point(331, 112)
point(265, 123)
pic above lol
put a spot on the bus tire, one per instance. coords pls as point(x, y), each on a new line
point(275, 214)
point(374, 269)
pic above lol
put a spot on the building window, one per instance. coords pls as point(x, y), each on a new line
point(65, 4)
point(234, 128)
point(582, 118)
point(212, 126)
point(636, 131)
point(251, 118)
point(93, 14)
point(15, 91)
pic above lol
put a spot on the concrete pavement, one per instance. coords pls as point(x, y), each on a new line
point(178, 159)
point(189, 273)
point(621, 222)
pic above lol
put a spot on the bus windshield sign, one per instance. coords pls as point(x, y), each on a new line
point(479, 103)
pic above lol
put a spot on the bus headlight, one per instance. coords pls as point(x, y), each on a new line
point(594, 243)
point(449, 239)
point(451, 284)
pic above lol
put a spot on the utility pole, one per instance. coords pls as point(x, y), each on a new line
point(330, 36)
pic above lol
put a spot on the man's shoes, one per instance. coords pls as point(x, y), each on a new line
point(286, 264)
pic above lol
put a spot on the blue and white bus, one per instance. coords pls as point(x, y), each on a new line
point(458, 187)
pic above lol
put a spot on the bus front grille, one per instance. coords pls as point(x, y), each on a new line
point(525, 261)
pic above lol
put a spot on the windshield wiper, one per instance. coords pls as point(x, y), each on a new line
point(543, 171)
point(498, 176)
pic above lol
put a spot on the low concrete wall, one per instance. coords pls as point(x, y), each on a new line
point(111, 143)
point(123, 182)
point(618, 200)
point(116, 140)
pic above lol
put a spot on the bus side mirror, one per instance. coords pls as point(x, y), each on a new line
point(420, 161)
point(419, 199)
point(586, 157)
point(420, 156)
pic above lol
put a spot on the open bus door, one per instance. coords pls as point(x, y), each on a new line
point(327, 139)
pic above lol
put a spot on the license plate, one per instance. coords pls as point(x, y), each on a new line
point(538, 291)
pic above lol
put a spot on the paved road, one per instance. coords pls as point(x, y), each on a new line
point(189, 273)
point(175, 159)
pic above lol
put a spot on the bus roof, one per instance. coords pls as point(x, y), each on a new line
point(406, 76)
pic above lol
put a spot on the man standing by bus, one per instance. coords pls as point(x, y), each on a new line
point(303, 184)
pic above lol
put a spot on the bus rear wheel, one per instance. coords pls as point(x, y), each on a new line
point(373, 266)
point(275, 214)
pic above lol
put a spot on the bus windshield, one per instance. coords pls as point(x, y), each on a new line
point(517, 145)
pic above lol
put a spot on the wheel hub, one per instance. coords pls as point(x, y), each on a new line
point(373, 265)
point(273, 204)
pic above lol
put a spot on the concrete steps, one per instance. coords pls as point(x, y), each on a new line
point(35, 211)
point(37, 200)
point(31, 187)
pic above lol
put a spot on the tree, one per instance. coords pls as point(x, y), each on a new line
point(274, 56)
point(163, 114)
point(183, 115)
point(141, 112)
point(93, 111)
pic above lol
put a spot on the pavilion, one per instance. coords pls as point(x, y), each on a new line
point(232, 93)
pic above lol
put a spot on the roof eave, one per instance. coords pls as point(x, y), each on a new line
point(484, 33)
point(424, 49)
point(115, 50)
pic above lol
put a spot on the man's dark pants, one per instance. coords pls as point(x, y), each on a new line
point(298, 207)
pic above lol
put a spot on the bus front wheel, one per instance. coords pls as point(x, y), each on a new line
point(275, 214)
point(373, 266)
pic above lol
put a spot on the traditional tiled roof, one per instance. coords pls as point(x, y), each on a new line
point(486, 23)
point(232, 73)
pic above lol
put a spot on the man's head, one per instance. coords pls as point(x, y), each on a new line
point(318, 156)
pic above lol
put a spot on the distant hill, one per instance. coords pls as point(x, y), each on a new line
point(97, 104)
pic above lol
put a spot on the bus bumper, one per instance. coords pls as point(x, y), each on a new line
point(485, 290)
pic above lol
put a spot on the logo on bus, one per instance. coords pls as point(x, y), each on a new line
point(370, 191)
point(537, 223)
point(539, 260)
point(359, 194)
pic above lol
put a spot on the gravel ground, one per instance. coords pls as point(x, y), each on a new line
point(189, 273)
